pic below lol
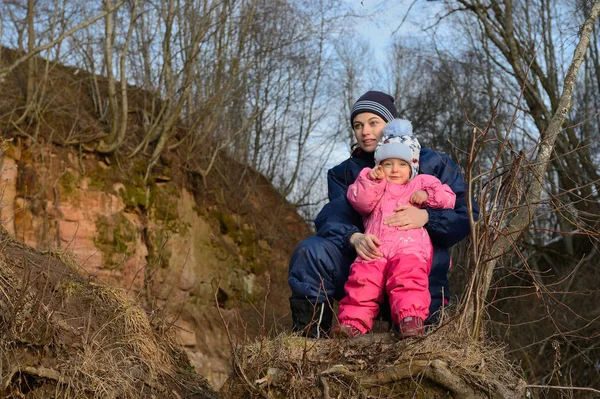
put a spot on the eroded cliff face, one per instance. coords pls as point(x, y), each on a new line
point(175, 255)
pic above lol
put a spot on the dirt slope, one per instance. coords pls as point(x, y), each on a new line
point(173, 241)
point(65, 336)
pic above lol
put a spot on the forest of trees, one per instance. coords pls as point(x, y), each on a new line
point(270, 84)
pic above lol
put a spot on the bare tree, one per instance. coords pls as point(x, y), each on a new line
point(118, 114)
point(514, 32)
point(38, 49)
point(30, 49)
point(351, 51)
point(504, 236)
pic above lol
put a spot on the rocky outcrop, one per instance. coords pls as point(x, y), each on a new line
point(154, 240)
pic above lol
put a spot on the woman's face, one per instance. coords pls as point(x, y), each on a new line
point(368, 129)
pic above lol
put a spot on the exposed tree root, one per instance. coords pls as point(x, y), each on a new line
point(441, 365)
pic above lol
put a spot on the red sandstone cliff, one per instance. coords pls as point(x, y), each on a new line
point(173, 245)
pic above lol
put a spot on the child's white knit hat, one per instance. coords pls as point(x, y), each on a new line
point(399, 142)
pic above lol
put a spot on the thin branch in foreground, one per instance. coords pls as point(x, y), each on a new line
point(563, 388)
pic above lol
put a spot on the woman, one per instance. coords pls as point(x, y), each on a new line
point(320, 265)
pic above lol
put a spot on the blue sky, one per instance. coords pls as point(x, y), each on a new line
point(380, 19)
point(385, 16)
point(378, 22)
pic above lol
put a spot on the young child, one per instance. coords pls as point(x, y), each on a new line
point(404, 268)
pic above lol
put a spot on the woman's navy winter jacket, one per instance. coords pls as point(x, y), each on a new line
point(319, 267)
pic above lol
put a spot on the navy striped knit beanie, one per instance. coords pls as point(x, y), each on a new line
point(376, 102)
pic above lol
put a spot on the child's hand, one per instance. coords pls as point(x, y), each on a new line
point(419, 197)
point(376, 173)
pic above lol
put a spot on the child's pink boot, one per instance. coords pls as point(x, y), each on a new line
point(411, 327)
point(346, 331)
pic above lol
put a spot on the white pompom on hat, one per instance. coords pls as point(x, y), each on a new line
point(399, 142)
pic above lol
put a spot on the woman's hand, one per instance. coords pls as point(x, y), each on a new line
point(419, 197)
point(366, 245)
point(376, 173)
point(407, 217)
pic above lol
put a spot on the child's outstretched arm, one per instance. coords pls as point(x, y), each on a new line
point(366, 191)
point(440, 196)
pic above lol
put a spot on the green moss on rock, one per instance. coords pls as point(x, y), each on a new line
point(116, 239)
point(165, 204)
point(68, 183)
point(244, 237)
point(135, 195)
point(99, 179)
point(227, 223)
point(161, 201)
point(246, 240)
point(159, 253)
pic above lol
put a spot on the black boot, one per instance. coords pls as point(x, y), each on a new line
point(385, 312)
point(312, 320)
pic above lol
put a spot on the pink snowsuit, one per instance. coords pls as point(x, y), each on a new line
point(404, 267)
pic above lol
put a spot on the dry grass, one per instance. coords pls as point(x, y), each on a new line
point(444, 364)
point(63, 336)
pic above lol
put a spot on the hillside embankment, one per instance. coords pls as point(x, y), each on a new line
point(203, 251)
point(65, 336)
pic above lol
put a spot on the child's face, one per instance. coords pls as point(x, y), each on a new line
point(396, 170)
